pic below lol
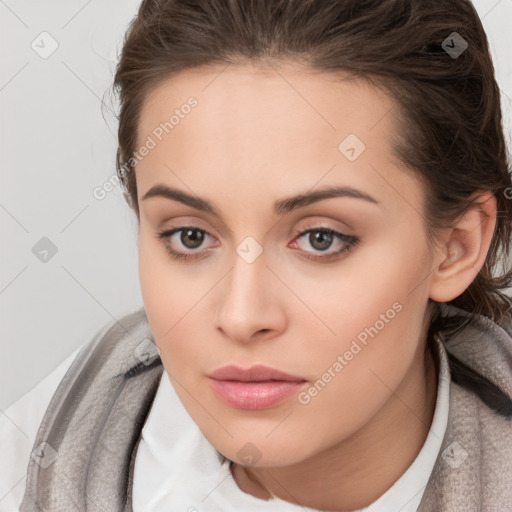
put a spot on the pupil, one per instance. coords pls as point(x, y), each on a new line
point(196, 240)
point(323, 237)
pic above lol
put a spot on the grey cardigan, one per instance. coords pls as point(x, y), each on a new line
point(93, 424)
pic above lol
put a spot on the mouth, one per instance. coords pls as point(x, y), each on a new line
point(255, 388)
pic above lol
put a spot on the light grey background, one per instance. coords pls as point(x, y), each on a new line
point(57, 148)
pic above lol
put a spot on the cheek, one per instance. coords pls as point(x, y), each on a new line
point(351, 296)
point(164, 291)
point(172, 296)
point(155, 287)
point(358, 373)
point(167, 287)
point(374, 309)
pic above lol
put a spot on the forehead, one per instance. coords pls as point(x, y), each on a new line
point(252, 123)
point(267, 96)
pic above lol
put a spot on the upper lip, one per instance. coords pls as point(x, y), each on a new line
point(257, 373)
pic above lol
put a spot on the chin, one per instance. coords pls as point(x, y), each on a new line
point(260, 452)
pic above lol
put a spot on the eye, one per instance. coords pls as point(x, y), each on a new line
point(320, 239)
point(191, 238)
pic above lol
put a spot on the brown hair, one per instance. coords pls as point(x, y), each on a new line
point(448, 105)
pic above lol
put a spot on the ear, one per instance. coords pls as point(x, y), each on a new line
point(462, 254)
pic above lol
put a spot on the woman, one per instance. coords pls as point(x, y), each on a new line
point(321, 196)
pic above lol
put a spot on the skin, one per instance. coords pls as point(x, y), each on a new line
point(263, 133)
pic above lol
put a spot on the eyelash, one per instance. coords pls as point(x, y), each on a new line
point(350, 241)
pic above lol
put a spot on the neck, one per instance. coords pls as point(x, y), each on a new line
point(358, 470)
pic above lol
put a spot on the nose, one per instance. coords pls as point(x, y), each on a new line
point(250, 306)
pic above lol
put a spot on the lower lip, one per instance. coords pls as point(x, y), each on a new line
point(254, 395)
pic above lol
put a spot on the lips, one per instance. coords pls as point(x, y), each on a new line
point(255, 388)
point(258, 373)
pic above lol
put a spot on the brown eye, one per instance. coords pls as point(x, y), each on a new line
point(191, 239)
point(320, 239)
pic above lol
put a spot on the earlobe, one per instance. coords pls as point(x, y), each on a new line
point(464, 251)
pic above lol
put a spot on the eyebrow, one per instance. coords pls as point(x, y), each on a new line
point(281, 206)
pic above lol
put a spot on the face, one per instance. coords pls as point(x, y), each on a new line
point(329, 290)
